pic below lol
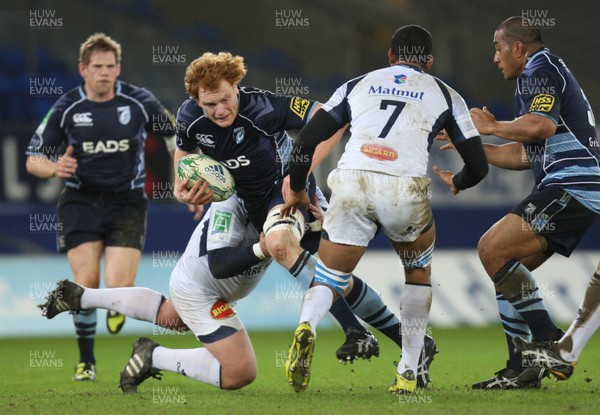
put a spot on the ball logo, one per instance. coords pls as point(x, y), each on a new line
point(216, 170)
point(221, 309)
point(197, 167)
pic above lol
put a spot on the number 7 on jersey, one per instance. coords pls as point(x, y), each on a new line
point(388, 125)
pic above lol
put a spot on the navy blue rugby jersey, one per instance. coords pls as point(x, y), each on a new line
point(570, 159)
point(107, 137)
point(256, 148)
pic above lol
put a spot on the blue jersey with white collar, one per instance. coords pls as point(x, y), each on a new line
point(570, 159)
point(256, 148)
point(108, 137)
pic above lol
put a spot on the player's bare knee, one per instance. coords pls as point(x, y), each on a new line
point(276, 244)
point(485, 251)
point(238, 376)
point(164, 320)
point(167, 317)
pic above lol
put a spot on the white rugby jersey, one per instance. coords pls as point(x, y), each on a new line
point(394, 115)
point(226, 224)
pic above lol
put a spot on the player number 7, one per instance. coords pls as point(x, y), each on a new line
point(388, 125)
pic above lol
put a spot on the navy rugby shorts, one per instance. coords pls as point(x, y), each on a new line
point(116, 218)
point(558, 217)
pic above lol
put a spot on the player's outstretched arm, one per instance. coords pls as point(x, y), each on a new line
point(475, 169)
point(476, 163)
point(525, 129)
point(510, 156)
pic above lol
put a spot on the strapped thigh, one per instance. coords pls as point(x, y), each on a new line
point(293, 223)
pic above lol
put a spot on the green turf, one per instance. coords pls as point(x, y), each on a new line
point(29, 386)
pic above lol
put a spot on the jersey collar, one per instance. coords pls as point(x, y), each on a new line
point(406, 65)
point(83, 95)
point(531, 58)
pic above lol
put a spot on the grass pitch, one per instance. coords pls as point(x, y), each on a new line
point(36, 379)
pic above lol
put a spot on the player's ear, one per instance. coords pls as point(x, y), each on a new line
point(519, 49)
point(428, 64)
point(81, 67)
point(118, 69)
point(392, 59)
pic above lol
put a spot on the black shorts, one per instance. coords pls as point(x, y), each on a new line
point(116, 218)
point(558, 217)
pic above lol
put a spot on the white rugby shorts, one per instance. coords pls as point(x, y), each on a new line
point(200, 307)
point(361, 199)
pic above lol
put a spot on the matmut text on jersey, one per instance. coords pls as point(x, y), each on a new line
point(395, 113)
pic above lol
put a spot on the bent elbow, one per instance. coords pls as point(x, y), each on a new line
point(542, 128)
point(217, 270)
point(484, 170)
point(28, 166)
point(31, 165)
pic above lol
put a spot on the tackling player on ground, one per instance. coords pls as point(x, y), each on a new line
point(202, 295)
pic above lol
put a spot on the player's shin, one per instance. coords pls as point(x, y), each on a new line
point(85, 329)
point(585, 324)
point(198, 364)
point(367, 304)
point(514, 325)
point(516, 284)
point(415, 304)
point(304, 270)
point(317, 301)
point(319, 298)
point(136, 302)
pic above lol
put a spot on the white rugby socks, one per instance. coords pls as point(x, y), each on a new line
point(136, 302)
point(585, 324)
point(317, 302)
point(415, 304)
point(197, 364)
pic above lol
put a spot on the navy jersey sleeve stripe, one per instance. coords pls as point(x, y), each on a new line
point(445, 92)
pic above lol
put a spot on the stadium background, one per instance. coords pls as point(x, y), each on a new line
point(305, 48)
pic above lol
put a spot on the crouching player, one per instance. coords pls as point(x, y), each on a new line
point(218, 267)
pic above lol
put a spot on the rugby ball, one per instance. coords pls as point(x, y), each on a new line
point(201, 167)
